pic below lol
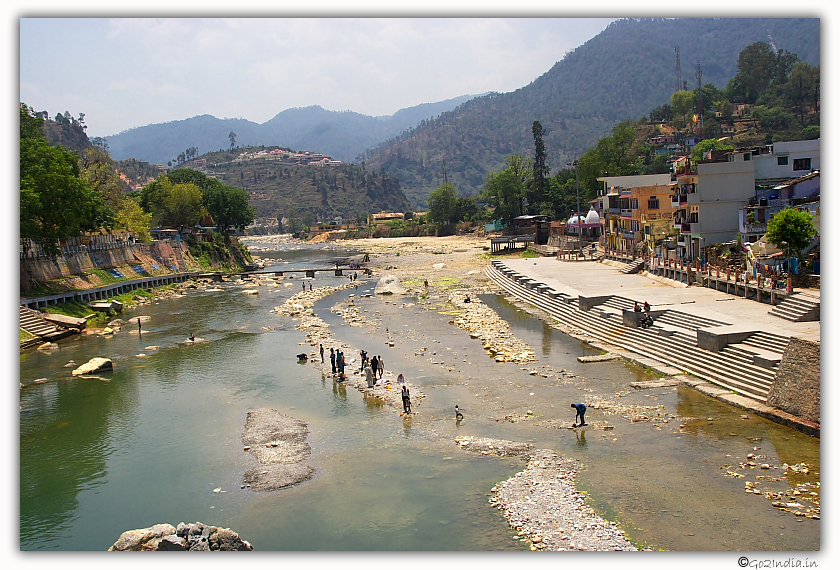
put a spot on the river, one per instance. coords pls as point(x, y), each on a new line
point(159, 439)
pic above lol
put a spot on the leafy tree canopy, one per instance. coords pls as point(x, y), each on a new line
point(56, 202)
point(792, 230)
point(505, 189)
point(443, 204)
point(707, 145)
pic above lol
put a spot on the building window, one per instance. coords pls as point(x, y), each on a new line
point(747, 156)
point(782, 161)
point(653, 204)
point(802, 164)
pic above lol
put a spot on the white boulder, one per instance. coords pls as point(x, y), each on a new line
point(389, 285)
point(97, 364)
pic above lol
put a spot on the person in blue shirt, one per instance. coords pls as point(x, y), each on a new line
point(580, 410)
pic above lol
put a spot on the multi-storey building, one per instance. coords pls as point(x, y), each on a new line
point(713, 205)
point(637, 211)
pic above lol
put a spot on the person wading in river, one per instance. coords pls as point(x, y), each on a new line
point(369, 376)
point(332, 360)
point(406, 399)
point(580, 411)
point(321, 347)
point(381, 366)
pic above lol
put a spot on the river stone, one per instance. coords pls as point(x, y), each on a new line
point(171, 542)
point(278, 476)
point(195, 536)
point(279, 443)
point(48, 346)
point(97, 364)
point(136, 539)
point(389, 285)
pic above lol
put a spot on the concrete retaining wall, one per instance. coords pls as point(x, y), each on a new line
point(42, 270)
point(796, 389)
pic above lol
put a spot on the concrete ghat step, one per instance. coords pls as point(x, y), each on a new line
point(710, 366)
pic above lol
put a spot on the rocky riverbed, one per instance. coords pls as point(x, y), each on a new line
point(542, 503)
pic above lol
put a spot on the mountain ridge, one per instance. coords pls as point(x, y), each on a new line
point(623, 73)
point(339, 134)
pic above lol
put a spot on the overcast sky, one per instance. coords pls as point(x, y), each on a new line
point(125, 73)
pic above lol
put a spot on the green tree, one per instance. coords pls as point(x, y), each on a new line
point(99, 171)
point(682, 103)
point(229, 207)
point(130, 216)
point(611, 156)
point(802, 89)
point(56, 202)
point(791, 230)
point(760, 66)
point(562, 194)
point(707, 145)
point(466, 208)
point(232, 138)
point(536, 193)
point(505, 189)
point(182, 206)
point(443, 204)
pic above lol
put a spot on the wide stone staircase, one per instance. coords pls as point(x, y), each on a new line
point(34, 323)
point(798, 308)
point(634, 266)
point(672, 340)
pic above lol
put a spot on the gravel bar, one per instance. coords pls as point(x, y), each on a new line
point(542, 503)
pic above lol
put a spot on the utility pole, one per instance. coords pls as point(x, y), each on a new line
point(577, 195)
point(699, 97)
point(678, 84)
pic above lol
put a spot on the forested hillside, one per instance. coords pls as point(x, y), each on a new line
point(623, 73)
point(341, 135)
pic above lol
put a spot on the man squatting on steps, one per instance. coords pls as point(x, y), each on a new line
point(581, 409)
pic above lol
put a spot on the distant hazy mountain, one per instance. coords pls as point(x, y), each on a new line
point(341, 135)
point(624, 72)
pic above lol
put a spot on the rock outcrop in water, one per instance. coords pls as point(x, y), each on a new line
point(193, 536)
point(279, 443)
point(94, 365)
point(389, 285)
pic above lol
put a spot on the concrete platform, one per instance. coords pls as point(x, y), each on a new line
point(599, 279)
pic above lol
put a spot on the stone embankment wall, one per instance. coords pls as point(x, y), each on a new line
point(796, 389)
point(41, 270)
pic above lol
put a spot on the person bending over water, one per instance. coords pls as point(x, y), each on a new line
point(580, 411)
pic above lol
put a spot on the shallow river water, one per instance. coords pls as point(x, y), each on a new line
point(150, 442)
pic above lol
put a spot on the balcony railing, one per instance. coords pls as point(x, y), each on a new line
point(626, 213)
point(754, 228)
